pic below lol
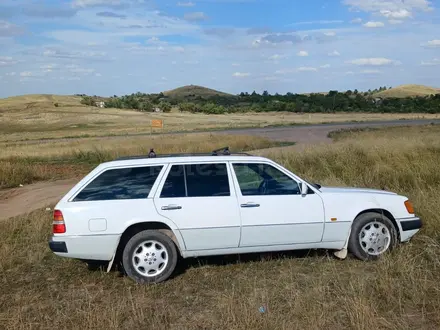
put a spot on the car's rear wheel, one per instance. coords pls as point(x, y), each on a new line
point(372, 235)
point(149, 257)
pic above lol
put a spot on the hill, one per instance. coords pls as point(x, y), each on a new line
point(39, 101)
point(193, 91)
point(408, 91)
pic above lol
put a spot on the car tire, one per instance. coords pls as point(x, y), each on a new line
point(372, 235)
point(149, 257)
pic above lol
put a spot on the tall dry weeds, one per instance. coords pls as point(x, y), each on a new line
point(312, 291)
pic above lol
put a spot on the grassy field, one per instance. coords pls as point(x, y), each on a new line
point(36, 117)
point(29, 161)
point(309, 290)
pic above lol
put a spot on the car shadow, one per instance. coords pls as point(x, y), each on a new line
point(223, 260)
point(183, 265)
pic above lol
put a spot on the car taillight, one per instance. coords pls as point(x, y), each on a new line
point(58, 225)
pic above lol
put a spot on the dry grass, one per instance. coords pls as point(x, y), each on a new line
point(29, 161)
point(314, 291)
point(36, 117)
point(409, 91)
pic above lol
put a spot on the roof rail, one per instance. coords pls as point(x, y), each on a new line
point(219, 152)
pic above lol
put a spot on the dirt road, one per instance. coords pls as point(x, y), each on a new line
point(22, 200)
point(25, 199)
point(311, 134)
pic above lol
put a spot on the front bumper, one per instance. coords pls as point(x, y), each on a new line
point(409, 227)
point(411, 224)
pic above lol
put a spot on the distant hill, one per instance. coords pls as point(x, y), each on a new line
point(193, 91)
point(408, 91)
point(39, 101)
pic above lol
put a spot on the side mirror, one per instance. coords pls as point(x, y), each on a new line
point(304, 188)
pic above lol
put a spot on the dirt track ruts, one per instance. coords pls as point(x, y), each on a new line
point(16, 201)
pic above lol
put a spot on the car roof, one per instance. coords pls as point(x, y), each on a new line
point(180, 159)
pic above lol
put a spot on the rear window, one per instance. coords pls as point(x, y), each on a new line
point(125, 183)
point(198, 180)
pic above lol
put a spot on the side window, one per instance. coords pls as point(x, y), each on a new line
point(197, 180)
point(207, 180)
point(125, 183)
point(264, 180)
point(174, 185)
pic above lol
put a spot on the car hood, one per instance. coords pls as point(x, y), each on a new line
point(349, 190)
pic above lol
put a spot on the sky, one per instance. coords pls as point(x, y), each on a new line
point(117, 47)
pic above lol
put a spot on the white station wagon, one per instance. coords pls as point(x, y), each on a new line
point(146, 212)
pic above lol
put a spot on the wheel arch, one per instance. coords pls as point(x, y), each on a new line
point(135, 228)
point(384, 212)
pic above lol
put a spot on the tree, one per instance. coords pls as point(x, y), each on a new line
point(145, 106)
point(165, 106)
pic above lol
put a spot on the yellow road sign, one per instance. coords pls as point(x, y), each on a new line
point(158, 123)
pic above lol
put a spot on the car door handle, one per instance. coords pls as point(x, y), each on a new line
point(249, 205)
point(171, 207)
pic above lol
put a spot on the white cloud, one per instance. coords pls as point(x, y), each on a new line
point(330, 34)
point(98, 74)
point(26, 74)
point(277, 57)
point(334, 53)
point(285, 71)
point(433, 43)
point(378, 6)
point(325, 66)
point(307, 69)
point(92, 3)
point(153, 40)
point(374, 24)
point(321, 22)
point(6, 61)
point(73, 68)
point(186, 4)
point(236, 64)
point(398, 14)
point(12, 74)
point(48, 67)
point(433, 62)
point(241, 74)
point(197, 16)
point(357, 20)
point(395, 21)
point(9, 30)
point(371, 71)
point(303, 53)
point(374, 61)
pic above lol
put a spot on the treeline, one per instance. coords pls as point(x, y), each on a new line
point(334, 101)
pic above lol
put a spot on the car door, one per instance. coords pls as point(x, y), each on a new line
point(199, 198)
point(272, 209)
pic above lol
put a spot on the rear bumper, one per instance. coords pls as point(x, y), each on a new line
point(87, 247)
point(409, 227)
point(58, 247)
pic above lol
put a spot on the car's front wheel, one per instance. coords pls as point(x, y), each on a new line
point(372, 235)
point(149, 257)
